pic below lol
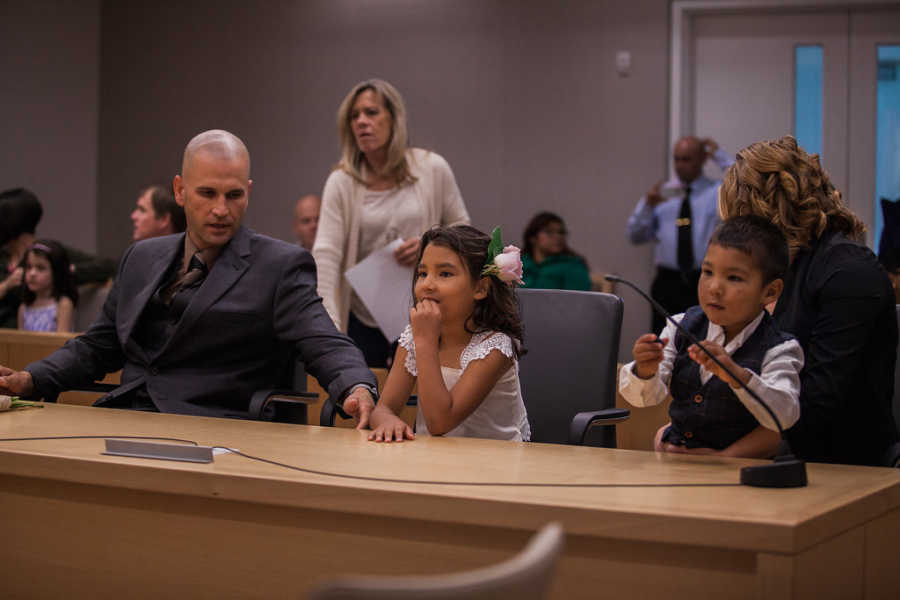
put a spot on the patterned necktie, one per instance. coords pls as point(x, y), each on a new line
point(195, 273)
point(685, 237)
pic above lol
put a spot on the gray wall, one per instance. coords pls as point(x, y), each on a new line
point(522, 99)
point(49, 63)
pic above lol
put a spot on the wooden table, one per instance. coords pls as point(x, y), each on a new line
point(81, 524)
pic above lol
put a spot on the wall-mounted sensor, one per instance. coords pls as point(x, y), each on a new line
point(623, 63)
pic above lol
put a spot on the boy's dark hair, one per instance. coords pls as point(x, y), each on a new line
point(163, 200)
point(60, 269)
point(499, 311)
point(758, 237)
point(20, 212)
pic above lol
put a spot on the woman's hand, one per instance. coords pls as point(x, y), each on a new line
point(660, 446)
point(425, 320)
point(407, 253)
point(648, 353)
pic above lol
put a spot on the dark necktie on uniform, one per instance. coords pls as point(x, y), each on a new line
point(685, 237)
point(195, 273)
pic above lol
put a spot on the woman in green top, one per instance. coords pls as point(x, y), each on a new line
point(547, 260)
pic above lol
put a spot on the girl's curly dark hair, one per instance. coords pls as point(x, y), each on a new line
point(499, 311)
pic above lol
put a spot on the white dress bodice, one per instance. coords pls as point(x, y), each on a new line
point(501, 415)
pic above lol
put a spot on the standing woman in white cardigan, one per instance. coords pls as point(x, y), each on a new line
point(380, 190)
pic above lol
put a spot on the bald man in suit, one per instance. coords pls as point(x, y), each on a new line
point(198, 321)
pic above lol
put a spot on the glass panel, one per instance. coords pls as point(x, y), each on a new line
point(808, 76)
point(887, 153)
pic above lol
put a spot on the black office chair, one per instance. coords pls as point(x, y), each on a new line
point(568, 372)
point(286, 404)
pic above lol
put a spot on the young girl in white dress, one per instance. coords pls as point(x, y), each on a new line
point(461, 345)
point(49, 295)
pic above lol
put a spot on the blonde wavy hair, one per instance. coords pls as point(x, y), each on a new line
point(353, 161)
point(779, 181)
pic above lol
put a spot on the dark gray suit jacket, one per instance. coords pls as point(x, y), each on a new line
point(257, 307)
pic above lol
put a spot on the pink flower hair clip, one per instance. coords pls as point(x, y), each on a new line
point(504, 263)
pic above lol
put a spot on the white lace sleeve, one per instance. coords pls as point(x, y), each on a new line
point(483, 344)
point(406, 340)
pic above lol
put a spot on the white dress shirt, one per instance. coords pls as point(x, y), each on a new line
point(778, 384)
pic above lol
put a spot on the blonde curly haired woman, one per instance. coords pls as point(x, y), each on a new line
point(837, 301)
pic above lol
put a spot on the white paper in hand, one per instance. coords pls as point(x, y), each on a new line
point(384, 286)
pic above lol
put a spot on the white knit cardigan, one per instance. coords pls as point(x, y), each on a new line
point(337, 239)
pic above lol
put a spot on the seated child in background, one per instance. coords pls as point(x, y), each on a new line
point(710, 413)
point(49, 294)
point(461, 345)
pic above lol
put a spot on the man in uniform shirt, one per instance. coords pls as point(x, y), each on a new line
point(679, 216)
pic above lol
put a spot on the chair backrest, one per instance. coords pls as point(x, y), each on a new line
point(572, 343)
point(527, 576)
point(91, 297)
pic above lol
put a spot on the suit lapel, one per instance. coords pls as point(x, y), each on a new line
point(130, 309)
point(229, 267)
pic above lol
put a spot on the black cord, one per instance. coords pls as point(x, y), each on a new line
point(370, 478)
point(472, 483)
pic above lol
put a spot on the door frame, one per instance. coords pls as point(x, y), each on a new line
point(681, 72)
point(681, 68)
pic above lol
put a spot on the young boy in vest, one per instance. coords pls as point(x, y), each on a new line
point(711, 413)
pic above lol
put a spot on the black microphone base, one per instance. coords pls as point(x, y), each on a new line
point(787, 471)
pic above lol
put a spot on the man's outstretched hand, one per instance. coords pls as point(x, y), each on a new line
point(359, 405)
point(15, 383)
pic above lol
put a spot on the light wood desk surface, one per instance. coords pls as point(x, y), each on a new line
point(77, 520)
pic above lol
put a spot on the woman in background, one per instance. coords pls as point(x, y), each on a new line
point(381, 190)
point(548, 262)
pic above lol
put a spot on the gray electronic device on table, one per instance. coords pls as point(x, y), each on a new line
point(180, 452)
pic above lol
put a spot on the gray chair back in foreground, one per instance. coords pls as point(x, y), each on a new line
point(526, 576)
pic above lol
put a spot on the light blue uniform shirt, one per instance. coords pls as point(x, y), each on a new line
point(657, 223)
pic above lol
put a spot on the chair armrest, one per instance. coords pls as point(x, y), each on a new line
point(98, 387)
point(583, 421)
point(329, 412)
point(262, 398)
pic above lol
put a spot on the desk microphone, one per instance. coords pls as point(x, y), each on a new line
point(786, 470)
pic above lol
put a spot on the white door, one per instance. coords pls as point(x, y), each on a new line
point(735, 82)
point(874, 114)
point(743, 79)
